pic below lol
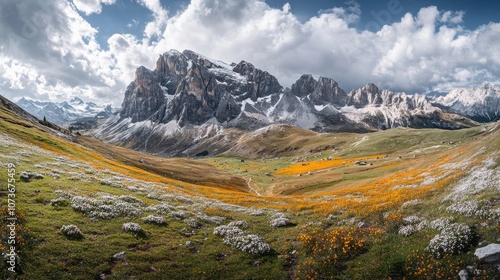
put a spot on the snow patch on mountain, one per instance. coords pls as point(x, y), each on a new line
point(479, 103)
point(64, 112)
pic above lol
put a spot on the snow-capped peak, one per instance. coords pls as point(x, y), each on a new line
point(479, 103)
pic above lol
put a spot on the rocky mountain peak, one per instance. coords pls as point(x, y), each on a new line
point(259, 83)
point(304, 86)
point(76, 101)
point(488, 86)
point(369, 94)
point(321, 92)
point(480, 103)
point(371, 87)
point(171, 67)
point(143, 96)
point(191, 89)
point(244, 68)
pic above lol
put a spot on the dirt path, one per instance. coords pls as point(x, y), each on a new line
point(250, 187)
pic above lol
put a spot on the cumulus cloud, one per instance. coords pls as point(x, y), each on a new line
point(50, 51)
point(91, 6)
point(427, 51)
point(155, 27)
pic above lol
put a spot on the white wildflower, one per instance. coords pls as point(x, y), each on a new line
point(131, 227)
point(155, 220)
point(240, 224)
point(454, 238)
point(279, 220)
point(71, 230)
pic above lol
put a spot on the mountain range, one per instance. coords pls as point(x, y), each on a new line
point(190, 104)
point(481, 104)
point(65, 112)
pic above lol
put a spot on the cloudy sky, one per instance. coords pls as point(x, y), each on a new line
point(58, 49)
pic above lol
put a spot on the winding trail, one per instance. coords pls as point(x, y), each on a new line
point(360, 141)
point(250, 187)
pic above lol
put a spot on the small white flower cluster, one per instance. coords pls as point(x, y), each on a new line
point(130, 199)
point(104, 207)
point(77, 176)
point(466, 208)
point(478, 180)
point(160, 209)
point(472, 208)
point(250, 243)
point(348, 222)
point(61, 193)
point(240, 224)
point(416, 224)
point(494, 215)
point(227, 207)
point(183, 199)
point(40, 166)
point(441, 223)
point(257, 212)
point(279, 220)
point(192, 223)
point(412, 220)
point(406, 230)
point(24, 153)
point(411, 203)
point(131, 227)
point(227, 231)
point(210, 219)
point(453, 239)
point(71, 230)
point(153, 195)
point(155, 220)
point(179, 215)
point(412, 224)
point(235, 237)
point(136, 189)
point(112, 183)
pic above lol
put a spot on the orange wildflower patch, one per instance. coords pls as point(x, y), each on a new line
point(310, 166)
point(391, 191)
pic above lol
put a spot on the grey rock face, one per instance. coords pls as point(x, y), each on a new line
point(463, 275)
point(119, 256)
point(198, 88)
point(327, 91)
point(322, 91)
point(259, 83)
point(369, 94)
point(143, 96)
point(304, 86)
point(489, 254)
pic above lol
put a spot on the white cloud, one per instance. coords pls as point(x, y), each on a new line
point(417, 53)
point(91, 6)
point(50, 51)
point(155, 27)
point(453, 17)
